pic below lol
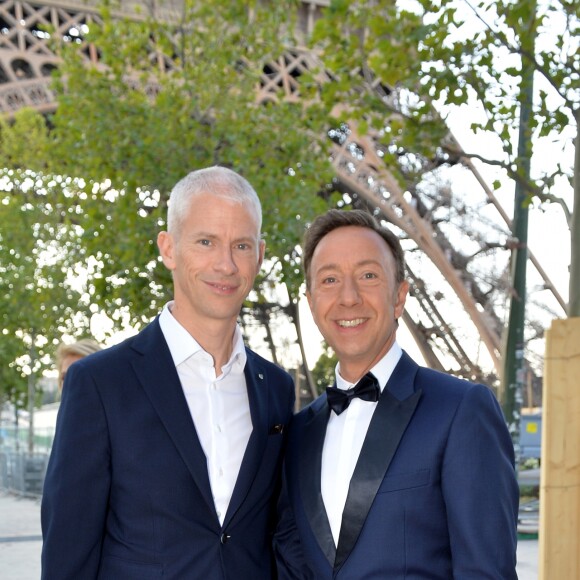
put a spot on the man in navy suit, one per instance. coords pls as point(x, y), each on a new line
point(167, 452)
point(410, 473)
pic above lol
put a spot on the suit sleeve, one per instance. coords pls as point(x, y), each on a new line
point(77, 483)
point(290, 561)
point(480, 490)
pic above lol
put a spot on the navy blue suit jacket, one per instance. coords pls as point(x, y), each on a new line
point(127, 492)
point(434, 494)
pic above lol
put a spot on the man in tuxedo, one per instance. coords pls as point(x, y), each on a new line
point(410, 474)
point(167, 453)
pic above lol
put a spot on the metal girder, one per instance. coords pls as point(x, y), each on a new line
point(367, 176)
point(26, 61)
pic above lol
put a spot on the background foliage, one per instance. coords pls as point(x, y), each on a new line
point(84, 191)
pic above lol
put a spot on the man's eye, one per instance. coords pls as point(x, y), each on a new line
point(205, 242)
point(369, 276)
point(329, 280)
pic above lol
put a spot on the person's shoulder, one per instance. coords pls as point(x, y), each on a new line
point(444, 382)
point(112, 351)
point(115, 354)
point(312, 408)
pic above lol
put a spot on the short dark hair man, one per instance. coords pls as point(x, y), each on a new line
point(410, 474)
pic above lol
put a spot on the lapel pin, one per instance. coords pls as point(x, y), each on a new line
point(260, 376)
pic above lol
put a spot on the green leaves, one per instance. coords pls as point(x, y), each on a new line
point(40, 298)
point(81, 204)
point(24, 141)
point(164, 99)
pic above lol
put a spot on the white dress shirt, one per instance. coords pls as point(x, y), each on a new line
point(218, 405)
point(345, 434)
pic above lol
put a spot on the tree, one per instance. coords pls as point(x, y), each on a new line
point(163, 98)
point(415, 65)
point(40, 299)
point(452, 53)
point(323, 371)
point(131, 148)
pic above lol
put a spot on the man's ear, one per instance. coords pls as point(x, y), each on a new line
point(166, 247)
point(401, 298)
point(309, 298)
point(261, 253)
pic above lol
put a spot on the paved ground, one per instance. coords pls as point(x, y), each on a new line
point(21, 542)
point(528, 560)
point(20, 538)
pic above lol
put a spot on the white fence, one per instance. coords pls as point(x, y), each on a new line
point(20, 471)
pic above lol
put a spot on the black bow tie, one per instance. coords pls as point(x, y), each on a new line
point(366, 389)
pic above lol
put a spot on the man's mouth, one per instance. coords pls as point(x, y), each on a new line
point(350, 323)
point(222, 287)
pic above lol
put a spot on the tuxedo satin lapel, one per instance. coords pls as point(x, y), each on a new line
point(386, 429)
point(309, 471)
point(258, 393)
point(158, 376)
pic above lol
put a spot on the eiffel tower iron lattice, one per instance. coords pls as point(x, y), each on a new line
point(446, 239)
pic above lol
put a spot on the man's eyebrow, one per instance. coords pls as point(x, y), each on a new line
point(336, 266)
point(327, 267)
point(202, 234)
point(207, 235)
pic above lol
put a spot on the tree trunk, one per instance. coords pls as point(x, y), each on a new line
point(307, 373)
point(269, 337)
point(574, 300)
point(31, 395)
point(514, 355)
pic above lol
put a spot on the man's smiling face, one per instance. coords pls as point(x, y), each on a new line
point(354, 297)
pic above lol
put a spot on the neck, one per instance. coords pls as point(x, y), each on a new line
point(353, 370)
point(352, 374)
point(214, 336)
point(221, 352)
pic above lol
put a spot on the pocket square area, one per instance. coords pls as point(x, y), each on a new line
point(276, 429)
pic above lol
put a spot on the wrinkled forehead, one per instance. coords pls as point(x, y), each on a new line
point(352, 244)
point(220, 216)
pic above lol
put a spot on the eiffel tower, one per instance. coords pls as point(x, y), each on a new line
point(433, 220)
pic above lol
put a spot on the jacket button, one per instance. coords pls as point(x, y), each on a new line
point(224, 538)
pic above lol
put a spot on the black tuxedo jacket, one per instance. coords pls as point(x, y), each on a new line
point(127, 492)
point(433, 496)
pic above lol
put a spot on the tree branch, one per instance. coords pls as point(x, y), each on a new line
point(523, 53)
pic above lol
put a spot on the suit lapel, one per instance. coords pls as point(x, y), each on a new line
point(158, 375)
point(309, 470)
point(390, 419)
point(256, 381)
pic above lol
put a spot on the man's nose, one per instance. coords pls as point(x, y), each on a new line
point(349, 293)
point(225, 262)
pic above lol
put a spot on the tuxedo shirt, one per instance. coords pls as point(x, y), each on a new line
point(218, 405)
point(344, 439)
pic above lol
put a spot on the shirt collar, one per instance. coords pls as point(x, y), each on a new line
point(182, 345)
point(382, 370)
